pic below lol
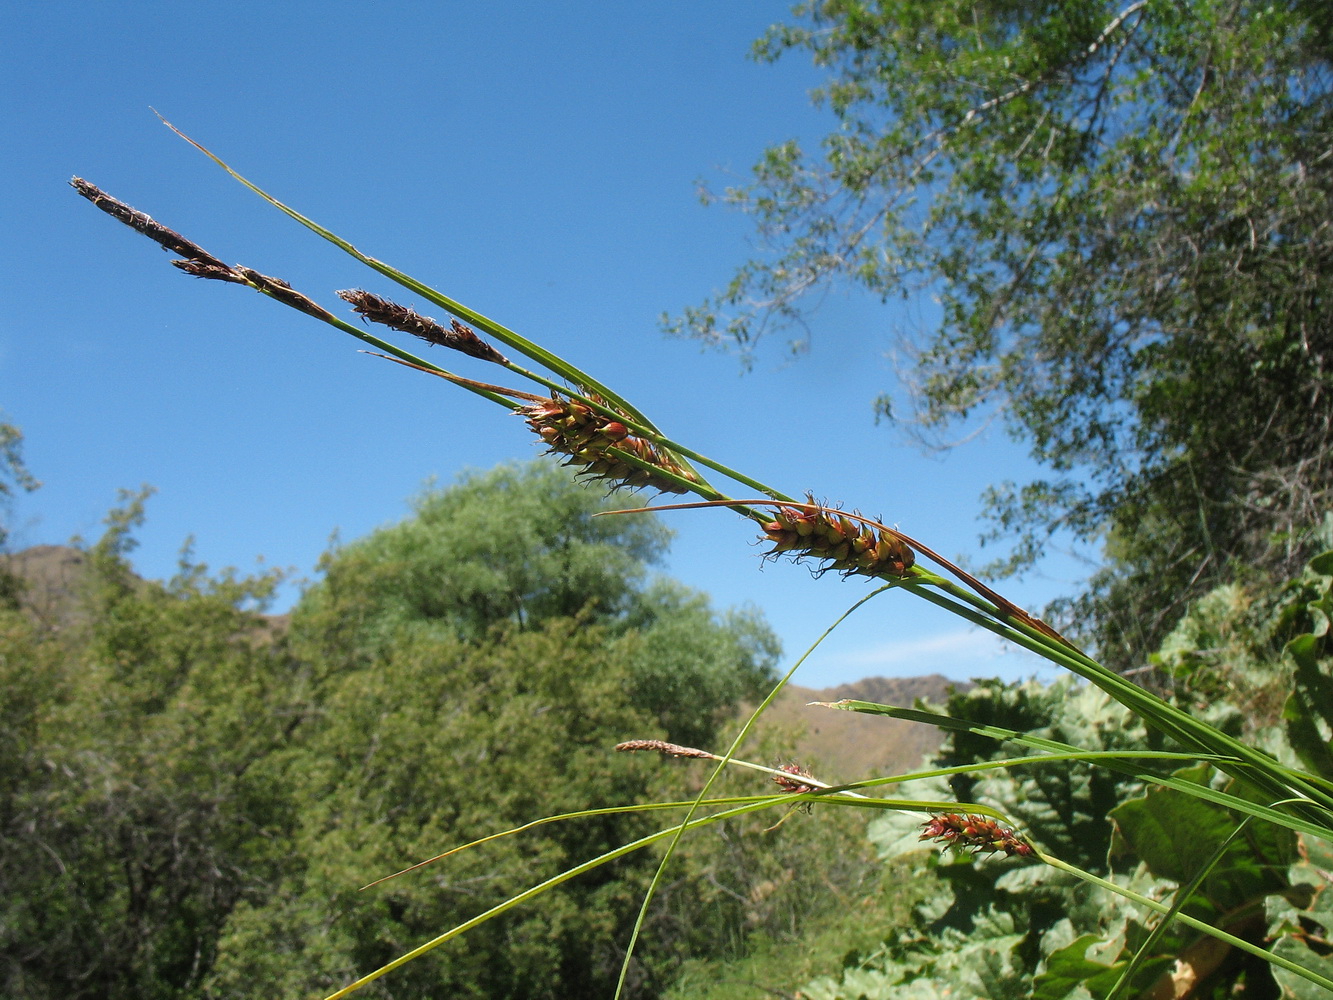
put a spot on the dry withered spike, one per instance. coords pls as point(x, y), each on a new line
point(202, 269)
point(467, 341)
point(458, 337)
point(664, 748)
point(141, 222)
point(284, 293)
point(198, 261)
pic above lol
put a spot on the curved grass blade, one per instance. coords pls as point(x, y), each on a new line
point(1251, 765)
point(542, 887)
point(632, 808)
point(1112, 760)
point(763, 802)
point(536, 352)
point(1185, 918)
point(560, 818)
point(1183, 893)
point(731, 751)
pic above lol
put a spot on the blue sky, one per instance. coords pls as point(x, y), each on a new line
point(534, 161)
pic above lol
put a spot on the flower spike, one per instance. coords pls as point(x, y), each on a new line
point(600, 444)
point(975, 833)
point(846, 545)
point(391, 314)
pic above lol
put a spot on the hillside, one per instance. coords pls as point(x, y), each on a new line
point(846, 746)
point(50, 578)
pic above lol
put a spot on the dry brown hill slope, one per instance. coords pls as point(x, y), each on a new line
point(848, 746)
point(50, 576)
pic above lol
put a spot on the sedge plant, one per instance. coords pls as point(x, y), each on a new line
point(603, 436)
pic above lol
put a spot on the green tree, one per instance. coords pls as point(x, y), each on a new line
point(14, 475)
point(436, 743)
point(191, 793)
point(1126, 213)
point(517, 547)
point(131, 821)
point(471, 669)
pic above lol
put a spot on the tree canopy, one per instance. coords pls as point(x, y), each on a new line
point(517, 547)
point(191, 793)
point(14, 475)
point(1125, 212)
point(131, 817)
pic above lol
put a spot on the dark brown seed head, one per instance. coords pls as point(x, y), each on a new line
point(456, 336)
point(201, 270)
point(284, 293)
point(142, 222)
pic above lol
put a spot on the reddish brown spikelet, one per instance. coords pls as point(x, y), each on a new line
point(457, 337)
point(789, 779)
point(975, 833)
point(664, 748)
point(587, 436)
point(838, 541)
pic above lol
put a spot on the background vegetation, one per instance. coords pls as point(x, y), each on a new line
point(1125, 212)
point(193, 792)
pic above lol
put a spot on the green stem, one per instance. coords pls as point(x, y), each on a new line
point(1183, 893)
point(549, 884)
point(1108, 759)
point(703, 792)
point(1258, 768)
point(1190, 921)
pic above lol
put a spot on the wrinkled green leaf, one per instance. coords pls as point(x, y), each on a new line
point(1308, 712)
point(1175, 834)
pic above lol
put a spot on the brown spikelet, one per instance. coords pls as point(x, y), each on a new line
point(789, 779)
point(664, 748)
point(141, 222)
point(284, 293)
point(458, 337)
point(975, 833)
point(201, 269)
point(197, 261)
point(241, 275)
point(840, 542)
point(592, 439)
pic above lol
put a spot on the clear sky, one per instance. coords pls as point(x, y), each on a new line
point(536, 161)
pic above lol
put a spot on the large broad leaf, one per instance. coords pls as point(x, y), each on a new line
point(1175, 835)
point(1304, 933)
point(1294, 986)
point(1308, 712)
point(1323, 563)
point(1069, 968)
